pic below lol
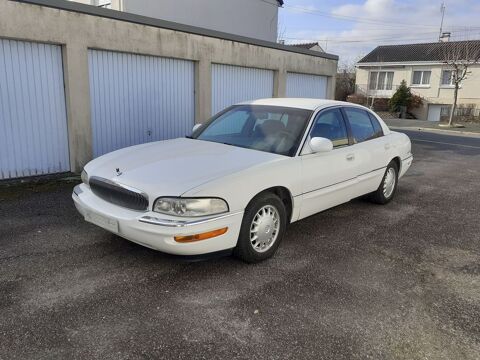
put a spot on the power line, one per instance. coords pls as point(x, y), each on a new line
point(359, 19)
point(390, 38)
point(352, 18)
point(366, 39)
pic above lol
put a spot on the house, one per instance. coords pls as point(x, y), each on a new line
point(257, 19)
point(426, 72)
point(314, 46)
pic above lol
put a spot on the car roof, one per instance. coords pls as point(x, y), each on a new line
point(299, 103)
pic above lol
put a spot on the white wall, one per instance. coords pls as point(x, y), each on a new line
point(252, 18)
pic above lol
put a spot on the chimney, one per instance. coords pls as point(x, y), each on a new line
point(445, 37)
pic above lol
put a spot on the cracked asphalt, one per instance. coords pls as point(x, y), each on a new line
point(360, 281)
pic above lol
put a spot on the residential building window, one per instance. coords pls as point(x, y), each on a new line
point(421, 77)
point(447, 77)
point(381, 80)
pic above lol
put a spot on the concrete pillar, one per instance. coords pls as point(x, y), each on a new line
point(280, 83)
point(77, 95)
point(203, 90)
point(331, 82)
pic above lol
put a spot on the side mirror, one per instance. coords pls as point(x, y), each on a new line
point(196, 127)
point(320, 144)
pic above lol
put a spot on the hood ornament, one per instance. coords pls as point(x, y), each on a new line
point(118, 171)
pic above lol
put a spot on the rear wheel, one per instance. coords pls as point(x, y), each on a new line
point(388, 186)
point(263, 227)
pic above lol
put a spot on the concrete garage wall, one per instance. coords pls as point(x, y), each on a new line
point(79, 28)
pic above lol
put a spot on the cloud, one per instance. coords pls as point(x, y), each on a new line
point(374, 9)
point(302, 9)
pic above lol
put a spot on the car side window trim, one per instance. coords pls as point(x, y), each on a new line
point(351, 139)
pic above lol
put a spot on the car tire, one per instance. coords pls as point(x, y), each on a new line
point(263, 226)
point(386, 191)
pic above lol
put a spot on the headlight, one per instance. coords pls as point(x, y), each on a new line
point(190, 207)
point(84, 177)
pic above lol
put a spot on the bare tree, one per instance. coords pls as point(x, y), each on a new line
point(459, 57)
point(345, 80)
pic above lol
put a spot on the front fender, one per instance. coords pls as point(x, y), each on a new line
point(239, 188)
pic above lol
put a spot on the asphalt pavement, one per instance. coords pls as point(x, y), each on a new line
point(360, 281)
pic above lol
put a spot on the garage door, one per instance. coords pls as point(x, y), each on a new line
point(435, 112)
point(137, 99)
point(306, 86)
point(33, 123)
point(233, 84)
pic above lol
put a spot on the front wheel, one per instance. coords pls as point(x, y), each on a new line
point(388, 186)
point(263, 226)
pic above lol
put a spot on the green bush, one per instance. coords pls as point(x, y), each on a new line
point(402, 97)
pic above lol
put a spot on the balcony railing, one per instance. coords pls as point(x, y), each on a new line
point(381, 93)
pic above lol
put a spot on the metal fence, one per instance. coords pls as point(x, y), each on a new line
point(462, 110)
point(363, 89)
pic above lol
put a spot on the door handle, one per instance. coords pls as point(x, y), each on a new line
point(350, 157)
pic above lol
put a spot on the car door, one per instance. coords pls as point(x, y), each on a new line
point(327, 177)
point(370, 148)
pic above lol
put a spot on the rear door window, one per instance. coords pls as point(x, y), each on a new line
point(360, 124)
point(376, 125)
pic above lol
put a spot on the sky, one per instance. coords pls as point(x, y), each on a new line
point(352, 28)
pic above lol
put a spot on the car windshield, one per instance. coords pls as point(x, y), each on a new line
point(273, 129)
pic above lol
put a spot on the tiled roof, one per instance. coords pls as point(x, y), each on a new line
point(423, 52)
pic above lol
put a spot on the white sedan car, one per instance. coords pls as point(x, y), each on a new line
point(243, 176)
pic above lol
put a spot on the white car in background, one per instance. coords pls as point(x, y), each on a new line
point(243, 176)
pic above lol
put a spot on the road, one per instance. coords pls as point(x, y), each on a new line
point(359, 281)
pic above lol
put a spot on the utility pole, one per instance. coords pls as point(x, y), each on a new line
point(442, 10)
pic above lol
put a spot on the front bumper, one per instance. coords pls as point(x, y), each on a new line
point(156, 230)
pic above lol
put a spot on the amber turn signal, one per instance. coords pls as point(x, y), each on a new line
point(202, 236)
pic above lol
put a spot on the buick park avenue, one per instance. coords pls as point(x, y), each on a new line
point(242, 177)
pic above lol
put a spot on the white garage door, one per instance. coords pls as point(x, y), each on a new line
point(33, 122)
point(306, 86)
point(434, 112)
point(137, 99)
point(233, 84)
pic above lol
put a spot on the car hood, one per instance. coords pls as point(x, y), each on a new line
point(172, 167)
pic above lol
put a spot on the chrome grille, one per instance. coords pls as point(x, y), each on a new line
point(118, 195)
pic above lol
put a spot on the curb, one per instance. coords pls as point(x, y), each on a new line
point(450, 132)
